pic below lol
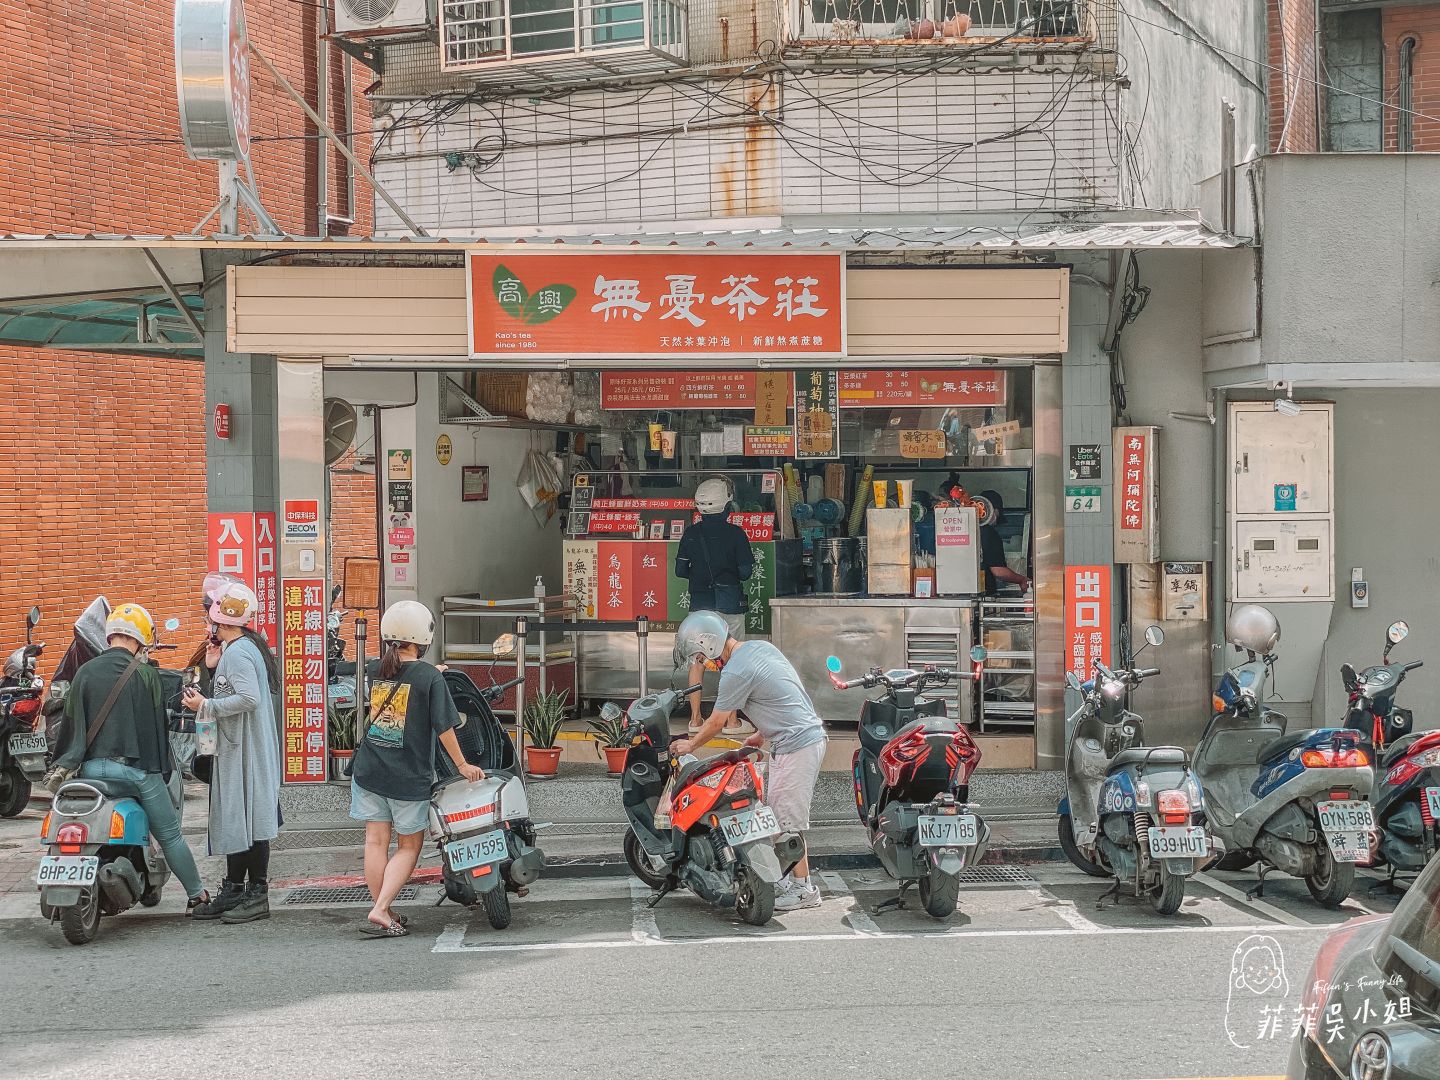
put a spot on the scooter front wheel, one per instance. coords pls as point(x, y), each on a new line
point(14, 791)
point(1072, 850)
point(80, 922)
point(651, 871)
point(1171, 894)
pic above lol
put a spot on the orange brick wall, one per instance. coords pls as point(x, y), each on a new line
point(1423, 24)
point(105, 454)
point(1292, 43)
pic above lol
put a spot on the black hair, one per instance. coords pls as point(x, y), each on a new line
point(993, 497)
point(272, 669)
point(391, 662)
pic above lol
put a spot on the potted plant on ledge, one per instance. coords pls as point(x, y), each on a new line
point(342, 741)
point(544, 717)
point(610, 735)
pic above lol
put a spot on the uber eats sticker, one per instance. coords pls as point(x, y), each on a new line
point(387, 710)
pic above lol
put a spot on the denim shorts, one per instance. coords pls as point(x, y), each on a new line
point(407, 817)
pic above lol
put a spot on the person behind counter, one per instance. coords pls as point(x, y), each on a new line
point(992, 550)
point(714, 557)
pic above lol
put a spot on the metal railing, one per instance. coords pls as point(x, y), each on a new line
point(920, 21)
point(474, 33)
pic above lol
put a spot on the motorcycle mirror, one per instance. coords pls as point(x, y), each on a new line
point(832, 664)
point(504, 645)
point(1072, 680)
point(1154, 635)
point(1398, 631)
point(171, 625)
point(33, 619)
point(979, 654)
point(611, 711)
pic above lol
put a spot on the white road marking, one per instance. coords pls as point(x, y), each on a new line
point(644, 930)
point(1258, 905)
point(1064, 909)
point(446, 944)
point(860, 920)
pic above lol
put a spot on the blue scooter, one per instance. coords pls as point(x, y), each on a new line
point(1131, 812)
point(1294, 803)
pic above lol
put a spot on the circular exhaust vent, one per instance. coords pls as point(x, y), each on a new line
point(369, 11)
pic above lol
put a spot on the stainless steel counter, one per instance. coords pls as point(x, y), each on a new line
point(886, 632)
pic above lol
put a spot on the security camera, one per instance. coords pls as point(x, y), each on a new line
point(1286, 407)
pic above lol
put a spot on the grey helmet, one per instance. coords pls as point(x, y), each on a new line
point(1253, 627)
point(15, 664)
point(703, 633)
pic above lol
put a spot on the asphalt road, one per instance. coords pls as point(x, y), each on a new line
point(1027, 980)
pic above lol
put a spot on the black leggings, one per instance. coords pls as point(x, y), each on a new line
point(255, 862)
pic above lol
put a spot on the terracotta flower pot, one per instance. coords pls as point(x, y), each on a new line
point(957, 26)
point(922, 30)
point(542, 761)
point(615, 758)
point(339, 763)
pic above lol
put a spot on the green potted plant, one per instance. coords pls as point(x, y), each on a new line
point(610, 736)
point(342, 740)
point(544, 716)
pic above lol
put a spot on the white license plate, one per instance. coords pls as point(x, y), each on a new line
point(942, 830)
point(1349, 847)
point(476, 851)
point(27, 744)
point(1432, 797)
point(1345, 816)
point(750, 825)
point(1179, 842)
point(67, 870)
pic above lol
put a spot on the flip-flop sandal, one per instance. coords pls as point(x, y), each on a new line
point(393, 930)
point(403, 920)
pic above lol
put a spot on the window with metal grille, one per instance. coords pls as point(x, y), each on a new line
point(1405, 125)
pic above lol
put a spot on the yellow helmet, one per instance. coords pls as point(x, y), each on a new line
point(132, 620)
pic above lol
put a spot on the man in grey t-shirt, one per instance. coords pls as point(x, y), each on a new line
point(755, 676)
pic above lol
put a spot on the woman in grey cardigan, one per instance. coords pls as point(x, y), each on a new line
point(245, 786)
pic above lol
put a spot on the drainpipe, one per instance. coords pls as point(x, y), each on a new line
point(322, 99)
point(1219, 559)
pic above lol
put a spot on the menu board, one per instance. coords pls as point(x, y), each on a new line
point(921, 388)
point(646, 390)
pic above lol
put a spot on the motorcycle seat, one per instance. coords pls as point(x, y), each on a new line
point(1281, 746)
point(1149, 755)
point(111, 789)
point(1396, 750)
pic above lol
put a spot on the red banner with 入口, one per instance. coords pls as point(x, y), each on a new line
point(303, 677)
point(243, 545)
point(649, 305)
point(1087, 619)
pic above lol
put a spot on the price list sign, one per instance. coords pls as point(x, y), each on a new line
point(302, 657)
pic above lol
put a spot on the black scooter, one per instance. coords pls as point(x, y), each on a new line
point(22, 748)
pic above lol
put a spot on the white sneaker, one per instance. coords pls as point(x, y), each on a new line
point(799, 896)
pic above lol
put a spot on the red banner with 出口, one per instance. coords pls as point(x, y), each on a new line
point(1087, 619)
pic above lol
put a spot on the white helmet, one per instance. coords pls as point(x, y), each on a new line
point(1254, 628)
point(408, 620)
point(703, 633)
point(712, 496)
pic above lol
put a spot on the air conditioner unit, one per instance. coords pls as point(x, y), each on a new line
point(368, 16)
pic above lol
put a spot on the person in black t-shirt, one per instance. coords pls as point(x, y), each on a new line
point(410, 707)
point(992, 551)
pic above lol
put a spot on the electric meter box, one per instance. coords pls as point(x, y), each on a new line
point(1281, 515)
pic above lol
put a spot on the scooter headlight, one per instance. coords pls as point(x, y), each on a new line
point(1113, 689)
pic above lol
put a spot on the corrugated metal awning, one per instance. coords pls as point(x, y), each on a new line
point(99, 291)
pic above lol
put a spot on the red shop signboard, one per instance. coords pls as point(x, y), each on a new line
point(671, 305)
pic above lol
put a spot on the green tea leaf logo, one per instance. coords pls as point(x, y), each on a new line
point(517, 302)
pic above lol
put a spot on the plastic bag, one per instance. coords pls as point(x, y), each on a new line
point(539, 485)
